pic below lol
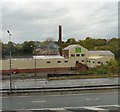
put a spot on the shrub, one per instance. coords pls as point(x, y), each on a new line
point(112, 66)
point(101, 71)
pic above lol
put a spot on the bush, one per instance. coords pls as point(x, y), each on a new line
point(89, 72)
point(83, 73)
point(112, 66)
point(101, 71)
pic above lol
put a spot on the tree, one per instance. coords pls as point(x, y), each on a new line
point(100, 42)
point(88, 43)
point(113, 66)
point(71, 41)
point(28, 47)
point(114, 46)
point(1, 49)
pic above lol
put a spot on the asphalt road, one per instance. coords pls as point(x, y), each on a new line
point(58, 83)
point(87, 100)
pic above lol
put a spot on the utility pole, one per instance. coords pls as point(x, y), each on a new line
point(10, 62)
point(35, 69)
point(35, 60)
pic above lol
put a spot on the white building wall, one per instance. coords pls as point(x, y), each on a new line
point(81, 59)
point(103, 60)
point(40, 63)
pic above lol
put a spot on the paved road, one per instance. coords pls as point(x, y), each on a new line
point(59, 83)
point(58, 102)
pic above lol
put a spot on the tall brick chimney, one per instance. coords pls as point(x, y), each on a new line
point(60, 40)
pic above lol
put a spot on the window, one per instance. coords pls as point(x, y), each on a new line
point(66, 61)
point(106, 61)
point(82, 54)
point(82, 60)
point(77, 61)
point(77, 55)
point(99, 62)
point(89, 61)
point(93, 62)
point(72, 55)
point(48, 61)
point(58, 61)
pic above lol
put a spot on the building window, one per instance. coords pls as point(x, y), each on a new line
point(93, 62)
point(48, 61)
point(82, 60)
point(58, 61)
point(72, 55)
point(99, 62)
point(106, 61)
point(66, 61)
point(77, 55)
point(77, 61)
point(89, 61)
point(82, 54)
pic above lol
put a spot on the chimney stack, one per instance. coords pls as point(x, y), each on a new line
point(60, 40)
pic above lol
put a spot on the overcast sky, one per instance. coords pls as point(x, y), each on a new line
point(38, 21)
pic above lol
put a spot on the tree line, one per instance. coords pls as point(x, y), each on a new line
point(28, 47)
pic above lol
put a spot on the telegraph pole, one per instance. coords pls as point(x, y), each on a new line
point(35, 69)
point(35, 60)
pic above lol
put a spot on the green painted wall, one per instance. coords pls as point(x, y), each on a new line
point(78, 50)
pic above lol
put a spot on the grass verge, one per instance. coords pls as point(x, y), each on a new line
point(84, 77)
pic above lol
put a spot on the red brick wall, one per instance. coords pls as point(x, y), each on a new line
point(35, 70)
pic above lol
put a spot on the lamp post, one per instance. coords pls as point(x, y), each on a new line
point(35, 74)
point(10, 62)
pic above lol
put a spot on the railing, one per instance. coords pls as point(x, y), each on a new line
point(58, 89)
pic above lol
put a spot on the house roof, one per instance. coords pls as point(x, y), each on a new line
point(70, 47)
point(101, 52)
point(48, 57)
point(94, 57)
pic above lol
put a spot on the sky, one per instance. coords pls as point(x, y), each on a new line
point(37, 20)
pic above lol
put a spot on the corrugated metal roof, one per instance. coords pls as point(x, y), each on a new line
point(48, 57)
point(101, 52)
point(70, 47)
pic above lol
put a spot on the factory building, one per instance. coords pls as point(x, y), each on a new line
point(72, 57)
point(69, 58)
